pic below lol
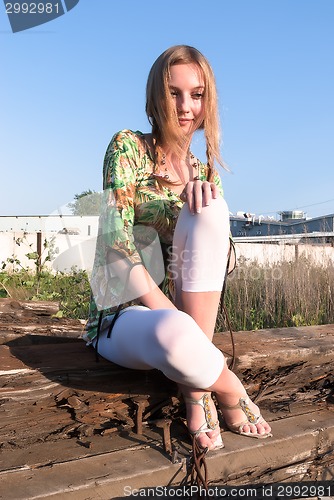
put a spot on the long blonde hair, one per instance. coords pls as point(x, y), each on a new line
point(160, 107)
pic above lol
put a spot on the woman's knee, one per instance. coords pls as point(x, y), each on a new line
point(185, 354)
point(217, 213)
point(174, 330)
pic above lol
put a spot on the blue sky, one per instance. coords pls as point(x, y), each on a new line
point(67, 86)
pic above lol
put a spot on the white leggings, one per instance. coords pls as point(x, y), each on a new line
point(170, 340)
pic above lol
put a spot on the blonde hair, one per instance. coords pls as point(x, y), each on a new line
point(160, 107)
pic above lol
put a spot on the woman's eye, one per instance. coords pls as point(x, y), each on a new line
point(198, 95)
point(173, 93)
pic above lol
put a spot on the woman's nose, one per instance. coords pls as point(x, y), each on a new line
point(183, 105)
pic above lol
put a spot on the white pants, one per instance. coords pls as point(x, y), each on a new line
point(167, 339)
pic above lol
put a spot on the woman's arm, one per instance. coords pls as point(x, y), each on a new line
point(148, 292)
point(133, 260)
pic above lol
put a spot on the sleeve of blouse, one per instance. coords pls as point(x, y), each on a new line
point(120, 244)
point(119, 185)
point(217, 180)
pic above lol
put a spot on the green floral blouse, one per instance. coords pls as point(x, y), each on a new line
point(137, 212)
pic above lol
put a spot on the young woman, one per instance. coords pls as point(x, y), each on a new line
point(159, 196)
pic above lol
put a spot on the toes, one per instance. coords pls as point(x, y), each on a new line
point(204, 441)
point(260, 429)
point(267, 428)
point(249, 429)
point(210, 440)
point(263, 428)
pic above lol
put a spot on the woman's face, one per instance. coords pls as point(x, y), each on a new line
point(187, 89)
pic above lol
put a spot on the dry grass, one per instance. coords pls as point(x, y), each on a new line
point(287, 294)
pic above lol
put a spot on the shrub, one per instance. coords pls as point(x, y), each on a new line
point(71, 290)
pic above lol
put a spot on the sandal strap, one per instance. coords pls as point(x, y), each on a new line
point(243, 404)
point(204, 402)
point(252, 417)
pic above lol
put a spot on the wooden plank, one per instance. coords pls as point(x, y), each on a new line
point(67, 394)
point(58, 405)
point(26, 322)
point(22, 308)
point(52, 393)
point(294, 454)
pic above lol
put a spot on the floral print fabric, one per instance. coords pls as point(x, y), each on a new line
point(138, 212)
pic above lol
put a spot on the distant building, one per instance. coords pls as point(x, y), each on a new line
point(243, 225)
point(56, 224)
point(290, 223)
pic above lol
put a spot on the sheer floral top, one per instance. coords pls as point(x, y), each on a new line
point(133, 199)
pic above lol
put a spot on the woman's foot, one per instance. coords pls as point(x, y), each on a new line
point(245, 418)
point(202, 420)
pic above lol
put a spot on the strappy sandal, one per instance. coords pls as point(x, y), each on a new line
point(209, 425)
point(251, 418)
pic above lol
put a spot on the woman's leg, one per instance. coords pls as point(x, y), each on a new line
point(172, 342)
point(166, 339)
point(199, 259)
point(201, 247)
point(229, 390)
point(199, 256)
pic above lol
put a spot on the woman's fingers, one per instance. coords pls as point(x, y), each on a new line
point(207, 193)
point(199, 194)
point(214, 190)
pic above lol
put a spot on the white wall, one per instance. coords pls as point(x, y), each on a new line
point(267, 254)
point(85, 226)
point(70, 250)
point(79, 250)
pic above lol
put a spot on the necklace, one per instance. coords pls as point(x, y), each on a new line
point(161, 171)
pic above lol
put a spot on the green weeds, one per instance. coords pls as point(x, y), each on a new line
point(72, 290)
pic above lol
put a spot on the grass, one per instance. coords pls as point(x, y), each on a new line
point(72, 290)
point(287, 294)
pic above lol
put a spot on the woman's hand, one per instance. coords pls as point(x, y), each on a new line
point(199, 194)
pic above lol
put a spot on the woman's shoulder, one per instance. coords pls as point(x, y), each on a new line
point(127, 139)
point(127, 133)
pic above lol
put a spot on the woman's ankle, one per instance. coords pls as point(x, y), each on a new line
point(202, 421)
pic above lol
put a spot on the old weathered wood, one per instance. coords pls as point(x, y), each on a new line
point(46, 380)
point(21, 308)
point(27, 322)
point(58, 405)
point(50, 331)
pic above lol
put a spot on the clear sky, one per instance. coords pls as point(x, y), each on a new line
point(67, 86)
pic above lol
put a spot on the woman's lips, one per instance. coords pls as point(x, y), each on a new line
point(184, 121)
